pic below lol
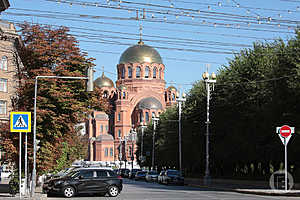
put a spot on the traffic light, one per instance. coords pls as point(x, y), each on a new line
point(90, 80)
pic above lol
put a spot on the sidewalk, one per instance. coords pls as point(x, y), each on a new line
point(241, 186)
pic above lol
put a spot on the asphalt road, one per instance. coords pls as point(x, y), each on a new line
point(139, 190)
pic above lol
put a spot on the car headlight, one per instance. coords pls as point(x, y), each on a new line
point(58, 183)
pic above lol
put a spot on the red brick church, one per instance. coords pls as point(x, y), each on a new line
point(138, 94)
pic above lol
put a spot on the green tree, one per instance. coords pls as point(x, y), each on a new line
point(61, 103)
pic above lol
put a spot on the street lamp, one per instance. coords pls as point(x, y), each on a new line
point(89, 88)
point(133, 139)
point(142, 142)
point(154, 121)
point(121, 147)
point(208, 80)
point(180, 99)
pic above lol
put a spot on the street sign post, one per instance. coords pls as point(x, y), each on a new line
point(21, 122)
point(285, 133)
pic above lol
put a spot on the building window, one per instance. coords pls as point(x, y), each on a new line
point(147, 72)
point(159, 73)
point(111, 152)
point(141, 117)
point(124, 95)
point(129, 72)
point(119, 133)
point(106, 152)
point(154, 72)
point(122, 72)
point(138, 72)
point(2, 107)
point(105, 94)
point(147, 117)
point(106, 128)
point(173, 97)
point(3, 65)
point(120, 95)
point(119, 116)
point(130, 152)
point(3, 85)
point(101, 131)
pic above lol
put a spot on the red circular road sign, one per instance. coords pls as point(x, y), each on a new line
point(285, 131)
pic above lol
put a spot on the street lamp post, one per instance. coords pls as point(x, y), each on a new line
point(180, 99)
point(208, 80)
point(121, 147)
point(142, 142)
point(89, 78)
point(154, 121)
point(133, 139)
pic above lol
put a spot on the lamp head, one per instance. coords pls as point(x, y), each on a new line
point(205, 75)
point(213, 76)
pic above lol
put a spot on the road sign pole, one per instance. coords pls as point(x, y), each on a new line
point(20, 163)
point(26, 164)
point(285, 163)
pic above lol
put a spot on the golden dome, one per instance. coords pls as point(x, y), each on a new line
point(140, 53)
point(103, 81)
point(172, 88)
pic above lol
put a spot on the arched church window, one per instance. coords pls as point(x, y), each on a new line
point(129, 72)
point(173, 97)
point(119, 133)
point(120, 95)
point(147, 117)
point(4, 63)
point(160, 73)
point(124, 95)
point(153, 114)
point(154, 72)
point(105, 94)
point(141, 117)
point(101, 131)
point(122, 72)
point(147, 72)
point(119, 116)
point(106, 152)
point(129, 152)
point(166, 96)
point(138, 72)
point(111, 152)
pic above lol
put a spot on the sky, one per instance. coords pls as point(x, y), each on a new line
point(190, 35)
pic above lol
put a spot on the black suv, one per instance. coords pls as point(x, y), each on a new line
point(85, 180)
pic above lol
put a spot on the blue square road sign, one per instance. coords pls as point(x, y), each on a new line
point(20, 122)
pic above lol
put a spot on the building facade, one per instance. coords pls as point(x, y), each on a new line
point(138, 94)
point(9, 65)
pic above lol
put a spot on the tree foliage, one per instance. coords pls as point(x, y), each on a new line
point(61, 103)
point(258, 91)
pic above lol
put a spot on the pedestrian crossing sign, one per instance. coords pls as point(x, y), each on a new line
point(20, 122)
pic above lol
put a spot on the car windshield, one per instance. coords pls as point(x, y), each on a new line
point(73, 174)
point(135, 170)
point(141, 173)
point(152, 173)
point(177, 173)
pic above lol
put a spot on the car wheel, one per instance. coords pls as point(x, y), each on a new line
point(113, 191)
point(69, 191)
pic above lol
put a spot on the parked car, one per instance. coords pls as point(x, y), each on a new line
point(132, 173)
point(172, 177)
point(151, 176)
point(123, 172)
point(85, 180)
point(160, 176)
point(140, 175)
